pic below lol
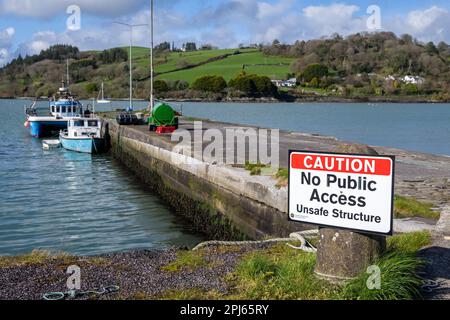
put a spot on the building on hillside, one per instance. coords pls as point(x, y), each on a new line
point(413, 80)
point(291, 83)
point(389, 78)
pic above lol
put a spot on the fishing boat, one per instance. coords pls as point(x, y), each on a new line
point(46, 122)
point(83, 135)
point(102, 93)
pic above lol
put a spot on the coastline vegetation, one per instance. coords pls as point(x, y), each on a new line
point(409, 208)
point(365, 66)
point(280, 273)
point(260, 273)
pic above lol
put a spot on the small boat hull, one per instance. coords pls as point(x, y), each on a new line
point(51, 144)
point(83, 145)
point(46, 128)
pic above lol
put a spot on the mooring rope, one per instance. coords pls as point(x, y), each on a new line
point(429, 285)
point(72, 294)
point(296, 236)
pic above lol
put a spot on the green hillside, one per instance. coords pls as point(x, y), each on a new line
point(358, 66)
point(168, 65)
point(41, 74)
point(253, 60)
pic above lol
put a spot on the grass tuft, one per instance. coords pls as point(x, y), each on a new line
point(281, 274)
point(399, 280)
point(255, 168)
point(409, 208)
point(187, 260)
point(409, 243)
point(191, 294)
point(283, 177)
point(33, 258)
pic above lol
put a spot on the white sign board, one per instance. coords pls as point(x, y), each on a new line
point(342, 191)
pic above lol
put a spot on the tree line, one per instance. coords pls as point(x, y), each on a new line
point(244, 84)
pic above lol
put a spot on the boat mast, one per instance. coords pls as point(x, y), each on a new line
point(151, 55)
point(131, 70)
point(67, 73)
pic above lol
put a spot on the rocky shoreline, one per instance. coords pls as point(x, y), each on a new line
point(303, 99)
point(139, 274)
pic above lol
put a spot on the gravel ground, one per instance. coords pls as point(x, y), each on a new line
point(138, 274)
point(437, 270)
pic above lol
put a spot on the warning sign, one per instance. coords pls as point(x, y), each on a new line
point(344, 191)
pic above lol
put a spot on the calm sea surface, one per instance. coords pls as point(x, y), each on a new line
point(415, 127)
point(87, 205)
point(76, 203)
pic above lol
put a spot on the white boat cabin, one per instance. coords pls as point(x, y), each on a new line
point(84, 127)
point(66, 109)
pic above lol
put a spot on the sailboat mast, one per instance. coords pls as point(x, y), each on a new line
point(151, 55)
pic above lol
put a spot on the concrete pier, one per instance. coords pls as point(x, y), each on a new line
point(226, 202)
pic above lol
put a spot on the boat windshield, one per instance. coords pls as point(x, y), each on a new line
point(79, 123)
point(92, 123)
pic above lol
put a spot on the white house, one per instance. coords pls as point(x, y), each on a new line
point(413, 80)
point(291, 83)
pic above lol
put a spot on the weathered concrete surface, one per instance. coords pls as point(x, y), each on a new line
point(343, 255)
point(252, 203)
point(408, 225)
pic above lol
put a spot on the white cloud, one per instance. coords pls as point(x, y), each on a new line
point(326, 20)
point(432, 24)
point(48, 8)
point(267, 10)
point(6, 38)
point(225, 24)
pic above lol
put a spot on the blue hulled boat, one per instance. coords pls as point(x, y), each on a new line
point(83, 135)
point(63, 107)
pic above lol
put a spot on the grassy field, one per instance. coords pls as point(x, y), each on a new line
point(254, 61)
point(273, 67)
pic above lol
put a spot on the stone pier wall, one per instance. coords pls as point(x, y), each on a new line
point(223, 202)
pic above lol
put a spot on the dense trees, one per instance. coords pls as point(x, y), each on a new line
point(210, 83)
point(313, 71)
point(160, 86)
point(190, 46)
point(113, 56)
point(381, 52)
point(253, 85)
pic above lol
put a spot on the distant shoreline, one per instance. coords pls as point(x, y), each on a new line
point(274, 100)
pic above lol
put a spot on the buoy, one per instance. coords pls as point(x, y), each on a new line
point(27, 124)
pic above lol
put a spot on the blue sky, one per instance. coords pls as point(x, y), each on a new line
point(28, 26)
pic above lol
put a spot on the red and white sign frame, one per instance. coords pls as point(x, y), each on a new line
point(374, 168)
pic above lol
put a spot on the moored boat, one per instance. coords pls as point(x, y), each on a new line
point(102, 100)
point(63, 107)
point(83, 135)
point(50, 144)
